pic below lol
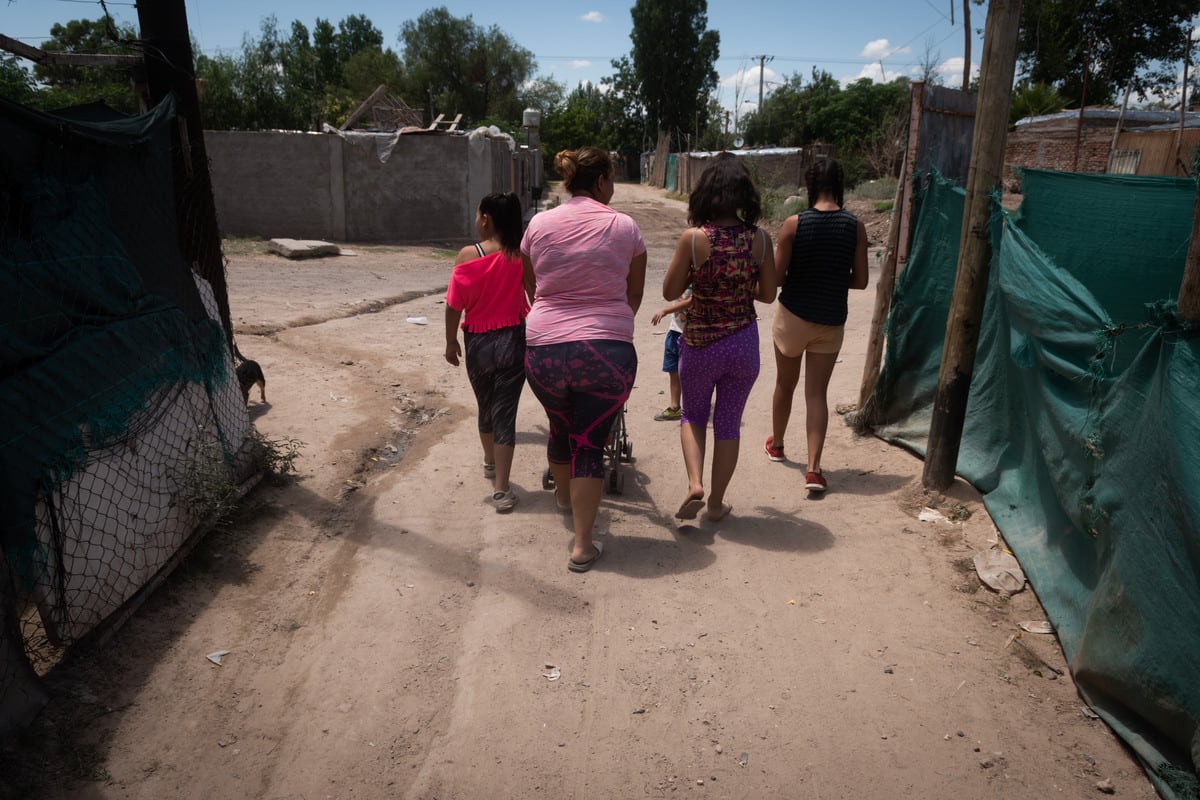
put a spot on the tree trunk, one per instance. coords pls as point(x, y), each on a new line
point(1189, 290)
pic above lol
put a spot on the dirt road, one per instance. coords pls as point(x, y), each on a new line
point(390, 636)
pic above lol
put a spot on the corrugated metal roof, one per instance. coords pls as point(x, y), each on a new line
point(1139, 119)
point(762, 151)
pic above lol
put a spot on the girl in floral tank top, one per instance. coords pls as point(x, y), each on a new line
point(728, 262)
point(723, 286)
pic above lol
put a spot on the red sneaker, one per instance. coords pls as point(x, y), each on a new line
point(773, 453)
point(815, 482)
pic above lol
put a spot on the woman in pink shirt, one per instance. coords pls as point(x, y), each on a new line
point(487, 284)
point(585, 267)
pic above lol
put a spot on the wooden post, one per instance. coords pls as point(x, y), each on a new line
point(975, 249)
point(170, 68)
point(1189, 290)
point(1187, 59)
point(894, 256)
point(364, 106)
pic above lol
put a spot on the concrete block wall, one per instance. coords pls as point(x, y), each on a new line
point(270, 183)
point(352, 188)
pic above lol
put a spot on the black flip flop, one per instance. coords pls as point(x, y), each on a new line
point(584, 566)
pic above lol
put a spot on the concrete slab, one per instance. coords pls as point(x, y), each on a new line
point(302, 248)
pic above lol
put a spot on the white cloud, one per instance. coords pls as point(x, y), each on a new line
point(875, 73)
point(593, 16)
point(951, 71)
point(580, 63)
point(881, 48)
point(743, 84)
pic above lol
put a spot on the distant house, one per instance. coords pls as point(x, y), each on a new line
point(1105, 140)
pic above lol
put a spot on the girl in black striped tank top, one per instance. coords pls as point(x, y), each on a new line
point(821, 255)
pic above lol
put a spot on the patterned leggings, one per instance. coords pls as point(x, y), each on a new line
point(729, 366)
point(496, 370)
point(583, 386)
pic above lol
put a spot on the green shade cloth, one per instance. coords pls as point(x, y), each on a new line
point(1082, 429)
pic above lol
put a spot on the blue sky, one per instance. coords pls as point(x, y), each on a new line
point(576, 41)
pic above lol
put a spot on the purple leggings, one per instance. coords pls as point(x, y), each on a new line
point(730, 366)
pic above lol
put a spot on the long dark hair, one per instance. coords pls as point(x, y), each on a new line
point(505, 210)
point(724, 189)
point(826, 175)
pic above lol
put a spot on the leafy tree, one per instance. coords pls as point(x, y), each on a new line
point(625, 110)
point(16, 83)
point(1034, 99)
point(355, 34)
point(712, 135)
point(263, 82)
point(544, 94)
point(302, 84)
point(296, 82)
point(1112, 42)
point(865, 121)
point(68, 85)
point(326, 52)
point(217, 85)
point(673, 56)
point(453, 66)
point(368, 68)
point(818, 123)
point(578, 121)
point(779, 121)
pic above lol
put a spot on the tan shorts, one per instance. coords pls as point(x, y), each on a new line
point(794, 336)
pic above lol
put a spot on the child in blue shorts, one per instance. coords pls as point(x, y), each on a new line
point(678, 313)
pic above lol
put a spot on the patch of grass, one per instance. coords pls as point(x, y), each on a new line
point(277, 456)
point(384, 248)
point(781, 202)
point(885, 205)
point(443, 252)
point(957, 513)
point(238, 246)
point(881, 189)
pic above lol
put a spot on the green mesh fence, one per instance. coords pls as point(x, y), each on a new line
point(1082, 430)
point(121, 426)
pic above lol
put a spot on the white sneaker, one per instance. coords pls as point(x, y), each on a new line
point(504, 501)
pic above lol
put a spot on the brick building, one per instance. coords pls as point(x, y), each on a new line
point(1064, 142)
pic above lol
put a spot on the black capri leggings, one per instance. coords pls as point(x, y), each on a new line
point(496, 370)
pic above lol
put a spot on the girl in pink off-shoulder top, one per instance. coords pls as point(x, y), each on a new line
point(487, 285)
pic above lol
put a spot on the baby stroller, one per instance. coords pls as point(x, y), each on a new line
point(618, 450)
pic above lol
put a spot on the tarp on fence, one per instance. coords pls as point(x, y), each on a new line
point(1082, 430)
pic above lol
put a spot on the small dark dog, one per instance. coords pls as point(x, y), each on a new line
point(249, 374)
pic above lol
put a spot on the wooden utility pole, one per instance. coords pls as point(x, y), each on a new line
point(1189, 290)
point(170, 68)
point(966, 84)
point(975, 247)
point(1187, 61)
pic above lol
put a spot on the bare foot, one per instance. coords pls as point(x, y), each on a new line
point(720, 514)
